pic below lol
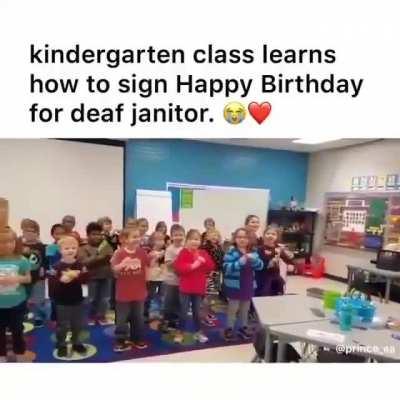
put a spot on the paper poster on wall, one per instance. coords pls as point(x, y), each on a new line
point(375, 224)
point(372, 182)
point(355, 183)
point(186, 198)
point(364, 183)
point(381, 182)
point(392, 182)
point(356, 220)
point(393, 229)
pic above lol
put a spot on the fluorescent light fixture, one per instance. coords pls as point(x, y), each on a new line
point(314, 141)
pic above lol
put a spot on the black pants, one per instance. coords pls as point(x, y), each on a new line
point(69, 318)
point(172, 308)
point(12, 318)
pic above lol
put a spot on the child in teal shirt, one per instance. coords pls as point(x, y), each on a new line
point(14, 274)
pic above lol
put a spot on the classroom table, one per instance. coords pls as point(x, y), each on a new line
point(388, 275)
point(296, 308)
point(279, 314)
point(284, 310)
point(370, 343)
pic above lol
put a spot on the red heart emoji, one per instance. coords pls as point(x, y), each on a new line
point(259, 111)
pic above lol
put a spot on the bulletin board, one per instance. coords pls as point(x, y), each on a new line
point(362, 221)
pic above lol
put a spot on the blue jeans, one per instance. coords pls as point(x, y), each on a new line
point(38, 301)
point(155, 294)
point(99, 297)
point(187, 300)
point(129, 321)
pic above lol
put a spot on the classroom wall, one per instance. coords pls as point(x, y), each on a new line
point(45, 179)
point(332, 171)
point(152, 163)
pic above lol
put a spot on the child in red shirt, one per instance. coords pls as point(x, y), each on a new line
point(193, 265)
point(129, 264)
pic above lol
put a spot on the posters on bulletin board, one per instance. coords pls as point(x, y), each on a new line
point(362, 221)
point(374, 183)
point(392, 182)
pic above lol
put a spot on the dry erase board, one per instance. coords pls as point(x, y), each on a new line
point(362, 221)
point(228, 206)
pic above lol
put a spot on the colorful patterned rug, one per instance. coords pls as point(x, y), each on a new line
point(99, 341)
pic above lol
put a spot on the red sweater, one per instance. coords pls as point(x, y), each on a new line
point(130, 285)
point(193, 281)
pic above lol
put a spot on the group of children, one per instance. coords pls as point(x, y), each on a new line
point(130, 271)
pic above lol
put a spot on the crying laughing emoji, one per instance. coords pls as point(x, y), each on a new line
point(234, 112)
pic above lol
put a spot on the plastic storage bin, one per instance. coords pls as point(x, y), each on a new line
point(315, 268)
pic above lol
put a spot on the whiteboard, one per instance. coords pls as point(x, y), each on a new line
point(228, 206)
point(45, 179)
point(155, 205)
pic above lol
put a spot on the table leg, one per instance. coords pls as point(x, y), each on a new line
point(268, 346)
point(349, 278)
point(387, 291)
point(281, 351)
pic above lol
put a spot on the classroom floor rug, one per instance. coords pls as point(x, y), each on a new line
point(99, 341)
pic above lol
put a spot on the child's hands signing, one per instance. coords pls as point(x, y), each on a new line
point(65, 278)
point(201, 259)
point(250, 256)
point(198, 262)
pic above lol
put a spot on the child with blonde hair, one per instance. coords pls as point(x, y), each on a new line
point(129, 264)
point(70, 274)
point(193, 266)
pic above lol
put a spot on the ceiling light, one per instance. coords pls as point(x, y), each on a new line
point(314, 141)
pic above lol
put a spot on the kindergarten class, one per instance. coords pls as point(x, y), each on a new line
point(250, 250)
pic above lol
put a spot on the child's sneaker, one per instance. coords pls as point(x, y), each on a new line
point(228, 335)
point(122, 346)
point(200, 337)
point(253, 316)
point(38, 323)
point(20, 358)
point(244, 333)
point(178, 337)
point(164, 328)
point(80, 349)
point(140, 345)
point(62, 351)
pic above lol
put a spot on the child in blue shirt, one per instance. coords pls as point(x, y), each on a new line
point(240, 263)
